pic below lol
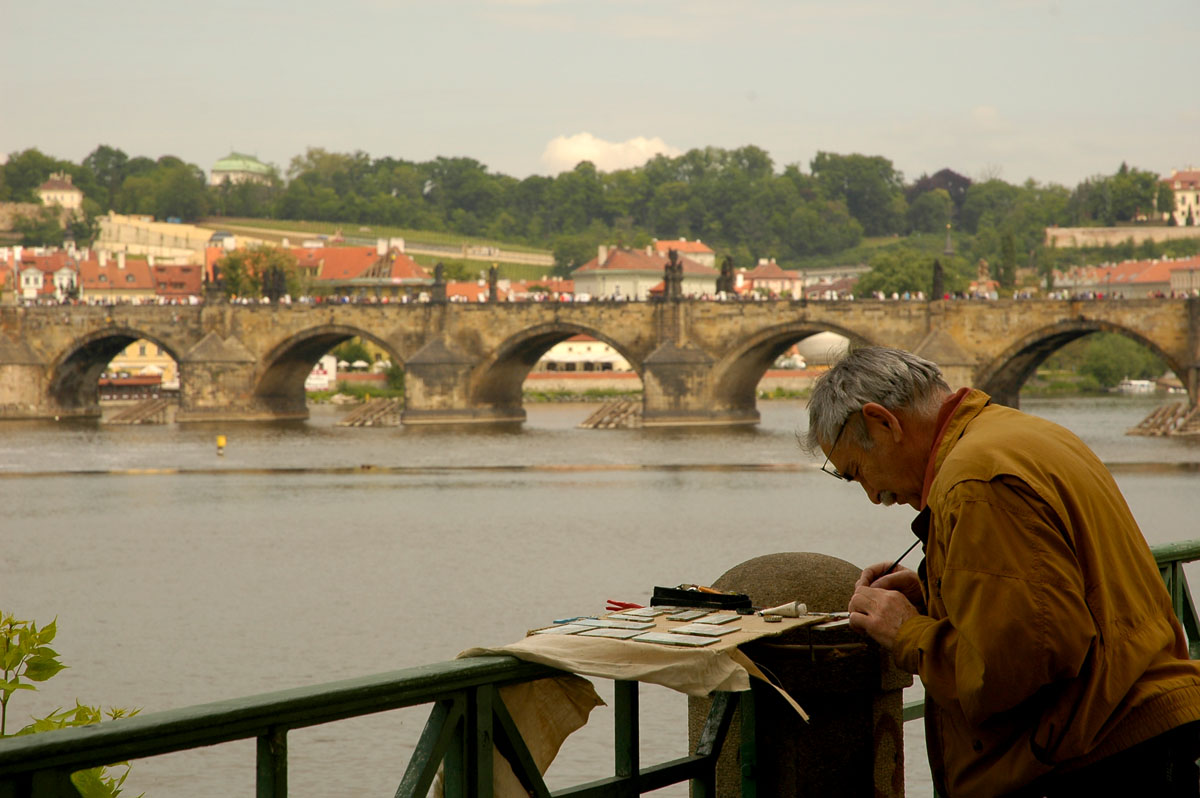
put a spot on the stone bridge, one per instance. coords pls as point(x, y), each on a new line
point(700, 361)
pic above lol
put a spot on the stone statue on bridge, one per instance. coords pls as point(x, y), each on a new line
point(725, 282)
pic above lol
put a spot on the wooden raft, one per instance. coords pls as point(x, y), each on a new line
point(1176, 418)
point(375, 413)
point(620, 414)
point(151, 411)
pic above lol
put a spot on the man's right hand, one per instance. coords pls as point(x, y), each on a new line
point(903, 580)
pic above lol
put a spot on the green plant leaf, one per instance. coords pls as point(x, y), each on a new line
point(48, 632)
point(39, 669)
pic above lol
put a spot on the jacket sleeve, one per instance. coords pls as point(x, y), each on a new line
point(1007, 608)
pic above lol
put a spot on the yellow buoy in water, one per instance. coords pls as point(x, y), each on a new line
point(220, 444)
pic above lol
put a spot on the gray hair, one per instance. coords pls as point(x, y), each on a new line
point(890, 377)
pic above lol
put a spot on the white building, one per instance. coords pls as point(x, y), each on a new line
point(582, 353)
point(59, 190)
point(618, 273)
point(1186, 185)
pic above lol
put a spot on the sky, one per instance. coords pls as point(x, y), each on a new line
point(1057, 91)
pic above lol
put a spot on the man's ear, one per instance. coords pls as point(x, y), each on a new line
point(881, 420)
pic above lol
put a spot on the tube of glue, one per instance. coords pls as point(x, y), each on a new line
point(793, 609)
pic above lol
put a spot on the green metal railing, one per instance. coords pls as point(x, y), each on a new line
point(467, 723)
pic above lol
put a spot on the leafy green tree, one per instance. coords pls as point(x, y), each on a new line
point(108, 165)
point(181, 193)
point(572, 251)
point(1164, 201)
point(352, 351)
point(242, 270)
point(931, 212)
point(1110, 358)
point(28, 169)
point(41, 230)
point(871, 187)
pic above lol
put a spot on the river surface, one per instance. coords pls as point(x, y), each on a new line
point(309, 553)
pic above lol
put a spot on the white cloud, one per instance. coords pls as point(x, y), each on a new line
point(564, 152)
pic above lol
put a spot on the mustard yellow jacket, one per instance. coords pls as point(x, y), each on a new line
point(1049, 641)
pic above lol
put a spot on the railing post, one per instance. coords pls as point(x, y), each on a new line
point(480, 742)
point(749, 745)
point(272, 764)
point(626, 734)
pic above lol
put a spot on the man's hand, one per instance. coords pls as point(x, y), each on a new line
point(902, 580)
point(880, 613)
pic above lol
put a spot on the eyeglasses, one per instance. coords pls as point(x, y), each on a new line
point(827, 468)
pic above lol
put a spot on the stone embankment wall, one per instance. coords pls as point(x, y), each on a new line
point(10, 212)
point(1067, 237)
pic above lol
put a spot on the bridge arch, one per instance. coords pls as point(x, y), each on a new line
point(498, 379)
point(288, 363)
point(737, 374)
point(74, 384)
point(1004, 375)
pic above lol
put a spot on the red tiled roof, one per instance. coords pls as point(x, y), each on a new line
point(1186, 263)
point(405, 268)
point(638, 261)
point(178, 281)
point(471, 290)
point(54, 184)
point(47, 263)
point(336, 263)
point(771, 271)
point(682, 246)
point(1187, 178)
point(136, 276)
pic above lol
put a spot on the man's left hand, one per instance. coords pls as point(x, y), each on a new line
point(880, 613)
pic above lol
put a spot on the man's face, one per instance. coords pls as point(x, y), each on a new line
point(886, 470)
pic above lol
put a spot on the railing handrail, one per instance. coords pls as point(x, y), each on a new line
point(250, 717)
point(260, 716)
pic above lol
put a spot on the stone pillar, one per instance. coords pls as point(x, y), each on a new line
point(853, 743)
point(437, 390)
point(676, 391)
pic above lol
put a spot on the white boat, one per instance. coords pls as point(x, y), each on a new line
point(1135, 386)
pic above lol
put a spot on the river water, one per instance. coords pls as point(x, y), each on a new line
point(309, 552)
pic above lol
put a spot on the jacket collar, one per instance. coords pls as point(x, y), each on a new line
point(959, 409)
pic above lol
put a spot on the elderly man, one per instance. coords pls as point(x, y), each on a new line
point(1038, 623)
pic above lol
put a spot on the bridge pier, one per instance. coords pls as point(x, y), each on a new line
point(437, 390)
point(677, 386)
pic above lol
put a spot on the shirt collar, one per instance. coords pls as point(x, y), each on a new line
point(945, 413)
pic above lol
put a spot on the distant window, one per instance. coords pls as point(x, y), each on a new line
point(157, 350)
point(104, 278)
point(141, 350)
point(129, 278)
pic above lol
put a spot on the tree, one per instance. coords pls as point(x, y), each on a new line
point(40, 230)
point(870, 186)
point(1164, 201)
point(28, 169)
point(180, 193)
point(1110, 358)
point(931, 212)
point(108, 165)
point(242, 271)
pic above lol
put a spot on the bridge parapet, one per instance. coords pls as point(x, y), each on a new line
point(700, 361)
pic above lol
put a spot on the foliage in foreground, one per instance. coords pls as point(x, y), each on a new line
point(26, 657)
